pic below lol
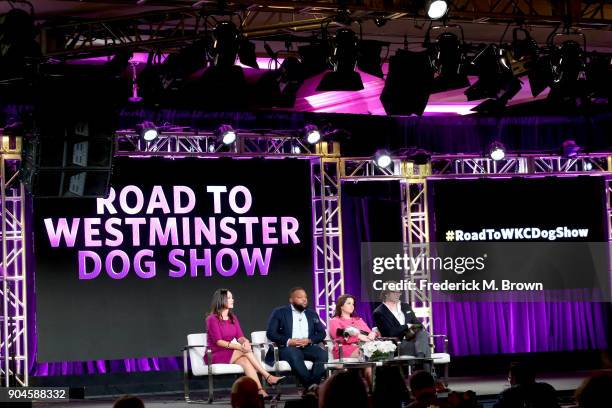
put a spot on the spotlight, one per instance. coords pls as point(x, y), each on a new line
point(382, 158)
point(296, 150)
point(419, 157)
point(497, 151)
point(226, 43)
point(343, 60)
point(312, 134)
point(226, 134)
point(570, 149)
point(568, 74)
point(436, 9)
point(408, 83)
point(495, 80)
point(448, 63)
point(148, 131)
point(369, 60)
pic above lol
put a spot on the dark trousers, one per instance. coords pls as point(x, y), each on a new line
point(418, 347)
point(296, 356)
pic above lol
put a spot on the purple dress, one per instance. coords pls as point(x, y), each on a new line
point(218, 329)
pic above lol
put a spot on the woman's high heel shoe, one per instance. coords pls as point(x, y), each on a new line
point(279, 381)
point(266, 397)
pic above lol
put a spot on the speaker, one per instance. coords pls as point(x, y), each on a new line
point(69, 158)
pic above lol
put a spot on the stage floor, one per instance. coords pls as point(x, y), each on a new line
point(487, 388)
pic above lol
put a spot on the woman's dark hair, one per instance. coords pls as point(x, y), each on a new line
point(341, 301)
point(219, 302)
point(344, 389)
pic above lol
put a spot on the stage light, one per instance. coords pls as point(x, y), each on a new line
point(226, 134)
point(568, 75)
point(343, 60)
point(419, 157)
point(296, 150)
point(408, 83)
point(312, 133)
point(369, 60)
point(448, 63)
point(497, 151)
point(382, 158)
point(495, 80)
point(148, 131)
point(18, 46)
point(588, 166)
point(226, 43)
point(437, 9)
point(570, 149)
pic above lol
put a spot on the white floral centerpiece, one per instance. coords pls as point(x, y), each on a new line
point(378, 349)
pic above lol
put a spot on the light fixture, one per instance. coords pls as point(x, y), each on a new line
point(226, 44)
point(419, 157)
point(312, 134)
point(382, 158)
point(226, 134)
point(570, 149)
point(343, 60)
point(148, 131)
point(436, 9)
point(497, 151)
point(408, 83)
point(569, 75)
point(448, 62)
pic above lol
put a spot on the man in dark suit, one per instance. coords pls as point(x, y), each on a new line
point(396, 319)
point(297, 331)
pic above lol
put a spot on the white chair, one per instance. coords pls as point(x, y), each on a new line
point(193, 353)
point(329, 345)
point(260, 341)
point(443, 358)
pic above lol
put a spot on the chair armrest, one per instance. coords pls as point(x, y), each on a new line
point(443, 336)
point(262, 349)
point(190, 346)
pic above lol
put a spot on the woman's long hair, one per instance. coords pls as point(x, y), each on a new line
point(341, 301)
point(219, 302)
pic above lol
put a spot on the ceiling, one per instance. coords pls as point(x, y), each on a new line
point(480, 20)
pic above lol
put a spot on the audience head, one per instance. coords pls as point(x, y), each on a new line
point(344, 389)
point(245, 394)
point(388, 295)
point(422, 385)
point(221, 299)
point(594, 390)
point(129, 401)
point(346, 304)
point(390, 389)
point(521, 373)
point(298, 298)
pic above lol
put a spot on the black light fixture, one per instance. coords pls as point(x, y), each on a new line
point(312, 134)
point(226, 43)
point(408, 83)
point(148, 131)
point(448, 58)
point(496, 80)
point(343, 60)
point(382, 158)
point(568, 74)
point(226, 134)
point(496, 151)
point(419, 156)
point(17, 42)
point(570, 149)
point(369, 59)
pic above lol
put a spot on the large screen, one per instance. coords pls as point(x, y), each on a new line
point(131, 274)
point(543, 236)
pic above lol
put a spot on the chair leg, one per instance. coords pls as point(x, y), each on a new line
point(186, 377)
point(446, 375)
point(210, 388)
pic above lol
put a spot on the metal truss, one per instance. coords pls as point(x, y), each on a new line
point(174, 26)
point(609, 214)
point(13, 333)
point(182, 143)
point(325, 188)
point(327, 230)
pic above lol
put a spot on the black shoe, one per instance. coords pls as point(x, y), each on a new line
point(280, 380)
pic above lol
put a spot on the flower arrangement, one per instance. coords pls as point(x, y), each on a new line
point(378, 349)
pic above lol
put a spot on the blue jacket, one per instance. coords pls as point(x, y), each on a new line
point(280, 328)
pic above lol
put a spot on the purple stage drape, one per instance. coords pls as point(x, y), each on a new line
point(474, 328)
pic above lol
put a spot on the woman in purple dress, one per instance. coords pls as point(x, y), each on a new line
point(227, 342)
